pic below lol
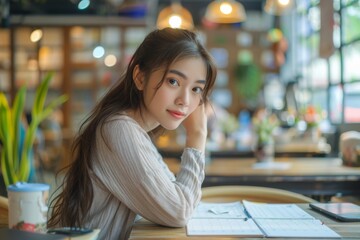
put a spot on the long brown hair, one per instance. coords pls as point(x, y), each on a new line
point(158, 50)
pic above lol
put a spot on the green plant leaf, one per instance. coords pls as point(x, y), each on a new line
point(52, 106)
point(24, 170)
point(7, 167)
point(4, 168)
point(8, 172)
point(17, 114)
point(4, 106)
point(40, 95)
point(14, 167)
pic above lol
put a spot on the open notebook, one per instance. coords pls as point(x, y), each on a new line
point(256, 220)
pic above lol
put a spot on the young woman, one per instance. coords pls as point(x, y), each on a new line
point(117, 172)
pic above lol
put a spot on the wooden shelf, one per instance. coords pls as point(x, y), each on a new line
point(83, 65)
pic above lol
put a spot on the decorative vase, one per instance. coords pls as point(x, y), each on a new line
point(312, 133)
point(264, 151)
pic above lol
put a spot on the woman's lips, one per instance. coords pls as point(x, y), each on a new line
point(176, 114)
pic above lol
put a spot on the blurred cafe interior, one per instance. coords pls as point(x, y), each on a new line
point(285, 109)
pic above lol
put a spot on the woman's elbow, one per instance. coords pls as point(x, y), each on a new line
point(179, 220)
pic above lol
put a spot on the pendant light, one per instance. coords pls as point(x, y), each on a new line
point(278, 7)
point(225, 11)
point(175, 16)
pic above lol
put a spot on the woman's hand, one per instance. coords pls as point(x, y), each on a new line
point(196, 128)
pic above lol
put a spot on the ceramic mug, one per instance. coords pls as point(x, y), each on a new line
point(28, 206)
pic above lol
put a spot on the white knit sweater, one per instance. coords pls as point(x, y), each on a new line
point(129, 178)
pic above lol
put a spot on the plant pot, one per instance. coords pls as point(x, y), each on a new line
point(312, 133)
point(264, 152)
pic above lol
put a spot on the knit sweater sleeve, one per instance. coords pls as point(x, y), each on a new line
point(131, 168)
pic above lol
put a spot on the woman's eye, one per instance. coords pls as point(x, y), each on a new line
point(198, 90)
point(173, 82)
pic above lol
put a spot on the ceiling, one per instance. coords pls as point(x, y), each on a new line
point(114, 7)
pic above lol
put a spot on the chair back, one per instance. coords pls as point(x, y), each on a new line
point(252, 193)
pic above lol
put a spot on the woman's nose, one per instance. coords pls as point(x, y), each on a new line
point(183, 99)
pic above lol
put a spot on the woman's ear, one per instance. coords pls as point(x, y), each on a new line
point(138, 78)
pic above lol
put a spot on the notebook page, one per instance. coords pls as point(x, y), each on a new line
point(223, 227)
point(296, 228)
point(275, 211)
point(219, 210)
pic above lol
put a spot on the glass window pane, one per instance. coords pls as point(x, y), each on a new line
point(302, 6)
point(351, 57)
point(335, 73)
point(347, 2)
point(305, 81)
point(303, 51)
point(337, 32)
point(315, 2)
point(319, 76)
point(314, 18)
point(303, 26)
point(308, 48)
point(335, 102)
point(351, 17)
point(337, 5)
point(314, 41)
point(307, 30)
point(319, 99)
point(352, 103)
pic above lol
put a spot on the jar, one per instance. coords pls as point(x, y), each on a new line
point(28, 206)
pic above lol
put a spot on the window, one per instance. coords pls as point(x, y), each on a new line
point(352, 103)
point(334, 82)
point(335, 71)
point(351, 58)
point(351, 22)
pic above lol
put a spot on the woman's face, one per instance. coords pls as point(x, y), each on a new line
point(178, 96)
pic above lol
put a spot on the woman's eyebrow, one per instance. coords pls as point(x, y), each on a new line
point(184, 76)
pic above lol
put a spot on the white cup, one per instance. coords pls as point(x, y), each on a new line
point(28, 206)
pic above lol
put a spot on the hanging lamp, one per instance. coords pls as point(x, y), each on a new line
point(278, 7)
point(175, 16)
point(225, 11)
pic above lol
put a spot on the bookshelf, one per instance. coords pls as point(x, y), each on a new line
point(236, 50)
point(5, 53)
point(68, 53)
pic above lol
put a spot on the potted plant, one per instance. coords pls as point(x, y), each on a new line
point(16, 139)
point(311, 116)
point(264, 125)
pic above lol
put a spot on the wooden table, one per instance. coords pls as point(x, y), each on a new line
point(315, 177)
point(144, 229)
point(298, 148)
